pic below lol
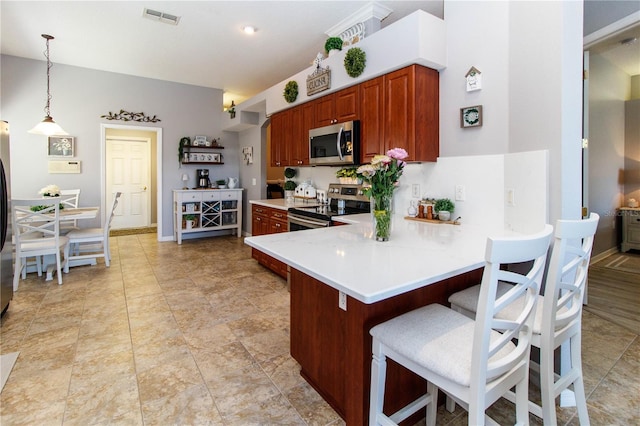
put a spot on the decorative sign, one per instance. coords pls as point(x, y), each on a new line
point(474, 79)
point(130, 116)
point(471, 116)
point(320, 79)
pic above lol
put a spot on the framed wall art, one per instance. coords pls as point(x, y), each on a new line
point(61, 146)
point(471, 116)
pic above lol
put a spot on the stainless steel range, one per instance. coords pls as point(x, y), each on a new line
point(343, 199)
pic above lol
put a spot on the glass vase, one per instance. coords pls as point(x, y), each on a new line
point(381, 214)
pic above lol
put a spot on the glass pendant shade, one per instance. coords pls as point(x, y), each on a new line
point(48, 127)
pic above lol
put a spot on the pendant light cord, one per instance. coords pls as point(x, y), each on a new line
point(47, 108)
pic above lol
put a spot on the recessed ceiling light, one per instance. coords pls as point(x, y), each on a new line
point(249, 29)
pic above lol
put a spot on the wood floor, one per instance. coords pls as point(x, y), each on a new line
point(614, 290)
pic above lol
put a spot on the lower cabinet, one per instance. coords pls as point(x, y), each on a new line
point(267, 220)
point(630, 228)
point(206, 210)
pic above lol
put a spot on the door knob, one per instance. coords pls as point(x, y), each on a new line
point(145, 188)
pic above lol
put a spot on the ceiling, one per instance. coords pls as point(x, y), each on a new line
point(207, 48)
point(625, 56)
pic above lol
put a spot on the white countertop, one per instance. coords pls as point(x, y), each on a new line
point(282, 204)
point(349, 260)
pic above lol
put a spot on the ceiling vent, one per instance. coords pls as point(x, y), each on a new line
point(161, 16)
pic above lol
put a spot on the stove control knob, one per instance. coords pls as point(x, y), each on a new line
point(360, 192)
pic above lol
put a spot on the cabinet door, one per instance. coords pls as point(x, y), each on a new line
point(346, 103)
point(324, 108)
point(259, 220)
point(338, 107)
point(371, 118)
point(399, 111)
point(280, 130)
point(301, 121)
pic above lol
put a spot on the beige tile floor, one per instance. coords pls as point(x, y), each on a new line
point(199, 334)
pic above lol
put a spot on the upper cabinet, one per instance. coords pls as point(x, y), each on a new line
point(412, 112)
point(337, 107)
point(399, 109)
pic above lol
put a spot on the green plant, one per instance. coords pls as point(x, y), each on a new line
point(347, 172)
point(221, 182)
point(289, 185)
point(189, 217)
point(354, 61)
point(444, 205)
point(289, 172)
point(333, 43)
point(185, 141)
point(290, 91)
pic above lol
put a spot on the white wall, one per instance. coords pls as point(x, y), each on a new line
point(80, 97)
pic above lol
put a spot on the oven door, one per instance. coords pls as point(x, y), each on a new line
point(300, 223)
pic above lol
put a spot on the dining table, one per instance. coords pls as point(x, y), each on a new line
point(74, 213)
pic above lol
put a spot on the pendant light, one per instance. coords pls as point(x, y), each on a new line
point(47, 126)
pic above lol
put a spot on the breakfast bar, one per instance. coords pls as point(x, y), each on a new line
point(343, 282)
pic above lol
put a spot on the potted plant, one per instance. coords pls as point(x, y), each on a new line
point(444, 207)
point(289, 173)
point(289, 187)
point(333, 44)
point(189, 220)
point(185, 141)
point(221, 183)
point(348, 175)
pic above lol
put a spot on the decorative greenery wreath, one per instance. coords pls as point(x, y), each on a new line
point(291, 91)
point(354, 61)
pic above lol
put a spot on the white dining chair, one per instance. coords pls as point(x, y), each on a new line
point(473, 362)
point(69, 198)
point(92, 243)
point(558, 317)
point(36, 233)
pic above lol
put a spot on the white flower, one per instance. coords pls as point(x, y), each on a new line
point(50, 190)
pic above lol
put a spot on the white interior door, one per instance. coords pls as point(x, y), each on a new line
point(128, 172)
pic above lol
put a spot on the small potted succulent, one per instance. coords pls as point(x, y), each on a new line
point(189, 220)
point(444, 207)
point(332, 45)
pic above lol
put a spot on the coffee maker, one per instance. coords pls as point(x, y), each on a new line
point(203, 178)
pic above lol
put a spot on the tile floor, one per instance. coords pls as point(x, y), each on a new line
point(199, 334)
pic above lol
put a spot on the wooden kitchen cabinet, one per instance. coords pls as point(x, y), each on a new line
point(630, 228)
point(337, 107)
point(280, 136)
point(267, 220)
point(303, 120)
point(371, 118)
point(400, 109)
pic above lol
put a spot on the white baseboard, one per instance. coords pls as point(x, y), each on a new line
point(604, 255)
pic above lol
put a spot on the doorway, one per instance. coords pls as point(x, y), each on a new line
point(131, 164)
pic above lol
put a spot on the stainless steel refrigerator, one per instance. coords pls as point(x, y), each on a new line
point(6, 255)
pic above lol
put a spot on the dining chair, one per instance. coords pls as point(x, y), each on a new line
point(36, 233)
point(474, 362)
point(69, 198)
point(91, 243)
point(558, 317)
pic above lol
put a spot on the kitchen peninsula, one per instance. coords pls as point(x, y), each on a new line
point(343, 283)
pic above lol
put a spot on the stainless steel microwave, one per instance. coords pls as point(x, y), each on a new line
point(334, 145)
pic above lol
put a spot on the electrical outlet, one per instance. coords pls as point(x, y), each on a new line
point(461, 193)
point(415, 190)
point(342, 300)
point(511, 200)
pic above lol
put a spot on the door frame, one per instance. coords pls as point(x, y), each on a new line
point(158, 159)
point(147, 141)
